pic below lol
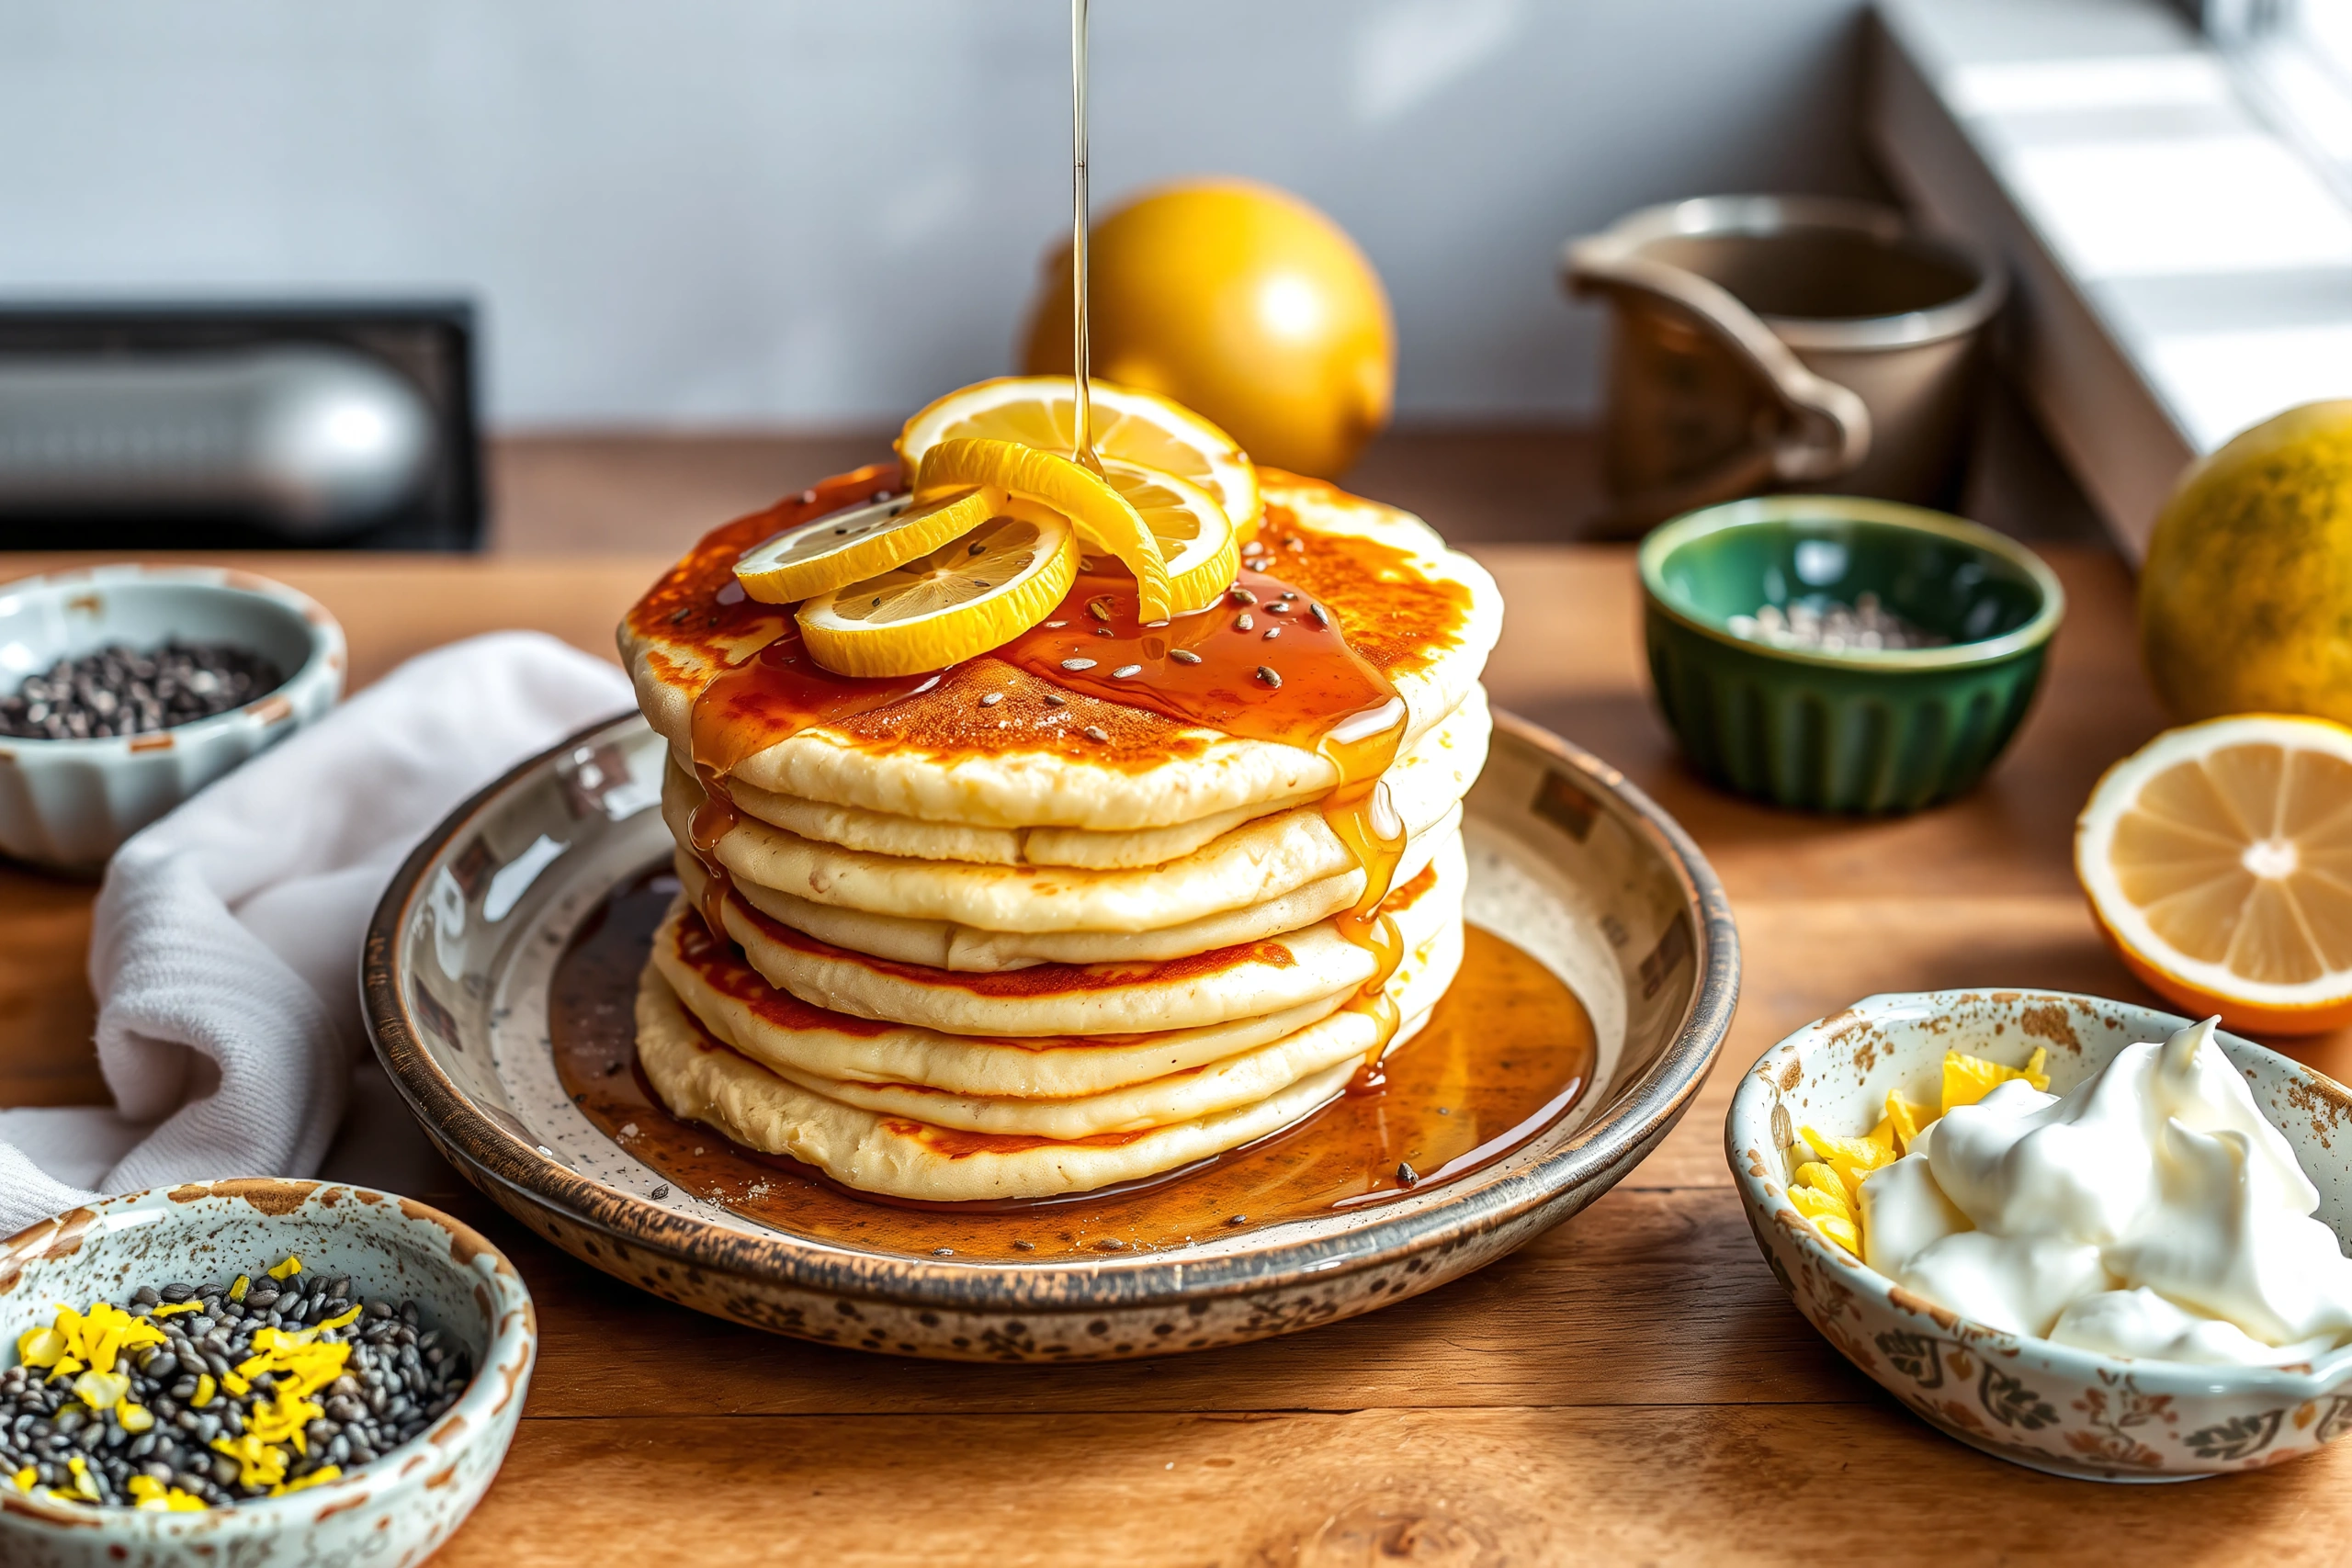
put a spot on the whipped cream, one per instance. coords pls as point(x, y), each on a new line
point(2151, 1212)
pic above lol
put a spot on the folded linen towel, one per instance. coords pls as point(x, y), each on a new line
point(225, 954)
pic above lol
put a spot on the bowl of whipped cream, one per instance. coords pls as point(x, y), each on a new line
point(2085, 1236)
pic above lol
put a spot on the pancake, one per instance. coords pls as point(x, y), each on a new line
point(777, 1028)
point(1455, 749)
point(1259, 860)
point(1213, 987)
point(1184, 1095)
point(880, 833)
point(1447, 759)
point(940, 945)
point(702, 1080)
point(1423, 614)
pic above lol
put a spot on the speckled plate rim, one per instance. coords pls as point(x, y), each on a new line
point(1749, 1120)
point(1600, 1152)
point(1671, 536)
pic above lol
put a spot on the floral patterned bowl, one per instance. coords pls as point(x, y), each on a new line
point(2049, 1407)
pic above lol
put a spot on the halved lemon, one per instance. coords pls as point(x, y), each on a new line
point(2218, 861)
point(1104, 518)
point(972, 593)
point(843, 546)
point(1130, 426)
point(1196, 542)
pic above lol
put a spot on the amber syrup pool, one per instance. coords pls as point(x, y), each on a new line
point(1505, 1055)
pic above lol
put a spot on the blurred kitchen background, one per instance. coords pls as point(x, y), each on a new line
point(715, 248)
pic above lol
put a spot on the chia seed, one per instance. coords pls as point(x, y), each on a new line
point(120, 690)
point(1183, 655)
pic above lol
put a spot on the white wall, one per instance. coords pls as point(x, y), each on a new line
point(826, 211)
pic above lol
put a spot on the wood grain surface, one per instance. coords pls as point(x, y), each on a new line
point(1629, 1387)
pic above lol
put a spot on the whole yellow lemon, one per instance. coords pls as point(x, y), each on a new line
point(2245, 599)
point(1242, 303)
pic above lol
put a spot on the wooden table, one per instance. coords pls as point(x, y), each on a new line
point(1631, 1387)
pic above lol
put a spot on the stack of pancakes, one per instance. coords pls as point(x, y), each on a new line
point(1001, 939)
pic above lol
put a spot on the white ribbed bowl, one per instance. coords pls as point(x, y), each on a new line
point(70, 804)
point(2047, 1406)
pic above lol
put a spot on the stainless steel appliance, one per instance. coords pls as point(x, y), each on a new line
point(189, 427)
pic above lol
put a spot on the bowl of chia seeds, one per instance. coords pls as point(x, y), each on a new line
point(1836, 653)
point(252, 1372)
point(125, 689)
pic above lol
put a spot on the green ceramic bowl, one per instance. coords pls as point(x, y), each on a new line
point(1858, 730)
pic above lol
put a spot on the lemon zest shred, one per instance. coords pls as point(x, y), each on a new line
point(287, 1269)
point(258, 1463)
point(237, 1291)
point(318, 1477)
point(171, 1309)
point(154, 1497)
point(28, 1478)
point(1845, 1232)
point(101, 1391)
point(205, 1389)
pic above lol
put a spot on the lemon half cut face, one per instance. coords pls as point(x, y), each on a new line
point(2218, 860)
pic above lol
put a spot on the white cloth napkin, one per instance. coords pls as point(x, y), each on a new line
point(226, 949)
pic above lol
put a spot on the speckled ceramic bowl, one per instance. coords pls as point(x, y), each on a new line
point(1583, 874)
point(70, 804)
point(2049, 1407)
point(394, 1512)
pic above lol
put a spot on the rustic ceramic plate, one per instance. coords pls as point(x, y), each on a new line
point(1575, 865)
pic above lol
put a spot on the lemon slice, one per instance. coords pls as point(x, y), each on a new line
point(1105, 519)
point(2218, 861)
point(843, 546)
point(1130, 426)
point(972, 593)
point(1196, 542)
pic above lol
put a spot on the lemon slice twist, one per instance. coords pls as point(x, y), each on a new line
point(861, 542)
point(1130, 426)
point(974, 592)
point(1105, 519)
point(1196, 541)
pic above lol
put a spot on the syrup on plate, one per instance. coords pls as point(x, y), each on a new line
point(1507, 1053)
